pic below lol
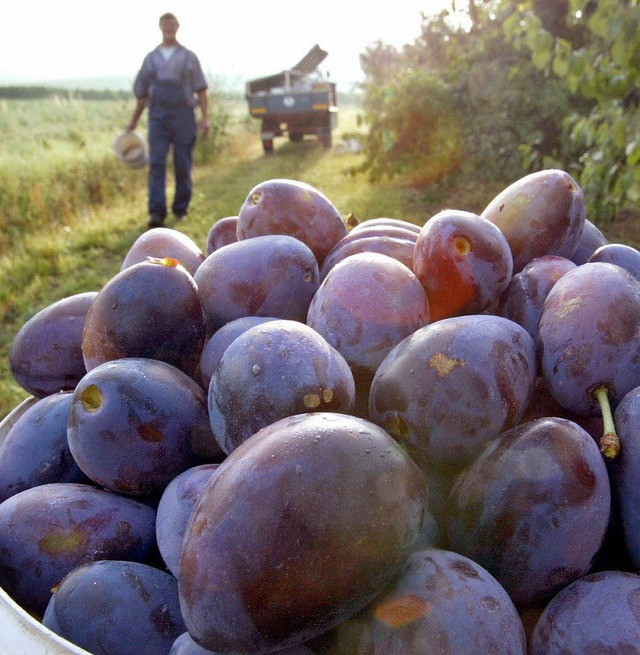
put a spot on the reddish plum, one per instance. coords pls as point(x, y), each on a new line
point(463, 262)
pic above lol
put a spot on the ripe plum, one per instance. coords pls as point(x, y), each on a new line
point(383, 221)
point(152, 310)
point(533, 508)
point(274, 275)
point(174, 509)
point(400, 249)
point(35, 450)
point(524, 297)
point(222, 233)
point(592, 238)
point(589, 325)
point(621, 254)
point(136, 423)
point(596, 614)
point(542, 213)
point(365, 306)
point(271, 371)
point(117, 607)
point(446, 603)
point(301, 526)
point(451, 386)
point(46, 353)
point(217, 344)
point(47, 531)
point(281, 206)
point(625, 472)
point(463, 262)
point(161, 242)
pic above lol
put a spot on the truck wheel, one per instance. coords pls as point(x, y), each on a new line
point(295, 136)
point(325, 132)
point(325, 138)
point(267, 145)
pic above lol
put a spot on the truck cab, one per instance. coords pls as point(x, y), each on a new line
point(295, 102)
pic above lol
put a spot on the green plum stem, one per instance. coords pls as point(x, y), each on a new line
point(609, 442)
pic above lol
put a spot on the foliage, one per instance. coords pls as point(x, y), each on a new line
point(594, 49)
point(457, 100)
point(516, 88)
point(396, 138)
point(33, 92)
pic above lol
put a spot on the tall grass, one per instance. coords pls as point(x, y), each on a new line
point(56, 161)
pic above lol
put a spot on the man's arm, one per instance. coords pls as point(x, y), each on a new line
point(141, 103)
point(203, 102)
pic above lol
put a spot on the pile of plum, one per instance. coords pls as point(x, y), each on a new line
point(322, 436)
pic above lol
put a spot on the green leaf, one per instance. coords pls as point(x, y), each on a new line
point(562, 58)
point(632, 152)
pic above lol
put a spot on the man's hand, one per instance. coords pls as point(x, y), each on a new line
point(203, 126)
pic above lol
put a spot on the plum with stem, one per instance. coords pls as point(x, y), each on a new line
point(590, 323)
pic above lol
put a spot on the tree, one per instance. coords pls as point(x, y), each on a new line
point(457, 100)
point(594, 49)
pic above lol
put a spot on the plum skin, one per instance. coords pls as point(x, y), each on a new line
point(258, 571)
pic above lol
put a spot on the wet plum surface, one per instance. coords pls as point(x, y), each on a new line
point(260, 570)
point(136, 423)
point(533, 508)
point(271, 371)
point(215, 346)
point(452, 385)
point(117, 608)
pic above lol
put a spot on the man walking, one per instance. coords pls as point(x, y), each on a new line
point(170, 83)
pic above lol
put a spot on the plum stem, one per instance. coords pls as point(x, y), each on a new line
point(609, 442)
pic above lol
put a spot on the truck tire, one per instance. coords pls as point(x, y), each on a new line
point(267, 146)
point(325, 133)
point(325, 138)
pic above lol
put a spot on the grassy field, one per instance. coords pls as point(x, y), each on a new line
point(63, 249)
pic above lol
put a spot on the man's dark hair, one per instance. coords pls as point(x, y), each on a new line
point(168, 16)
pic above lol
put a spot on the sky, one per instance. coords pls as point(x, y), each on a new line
point(46, 41)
